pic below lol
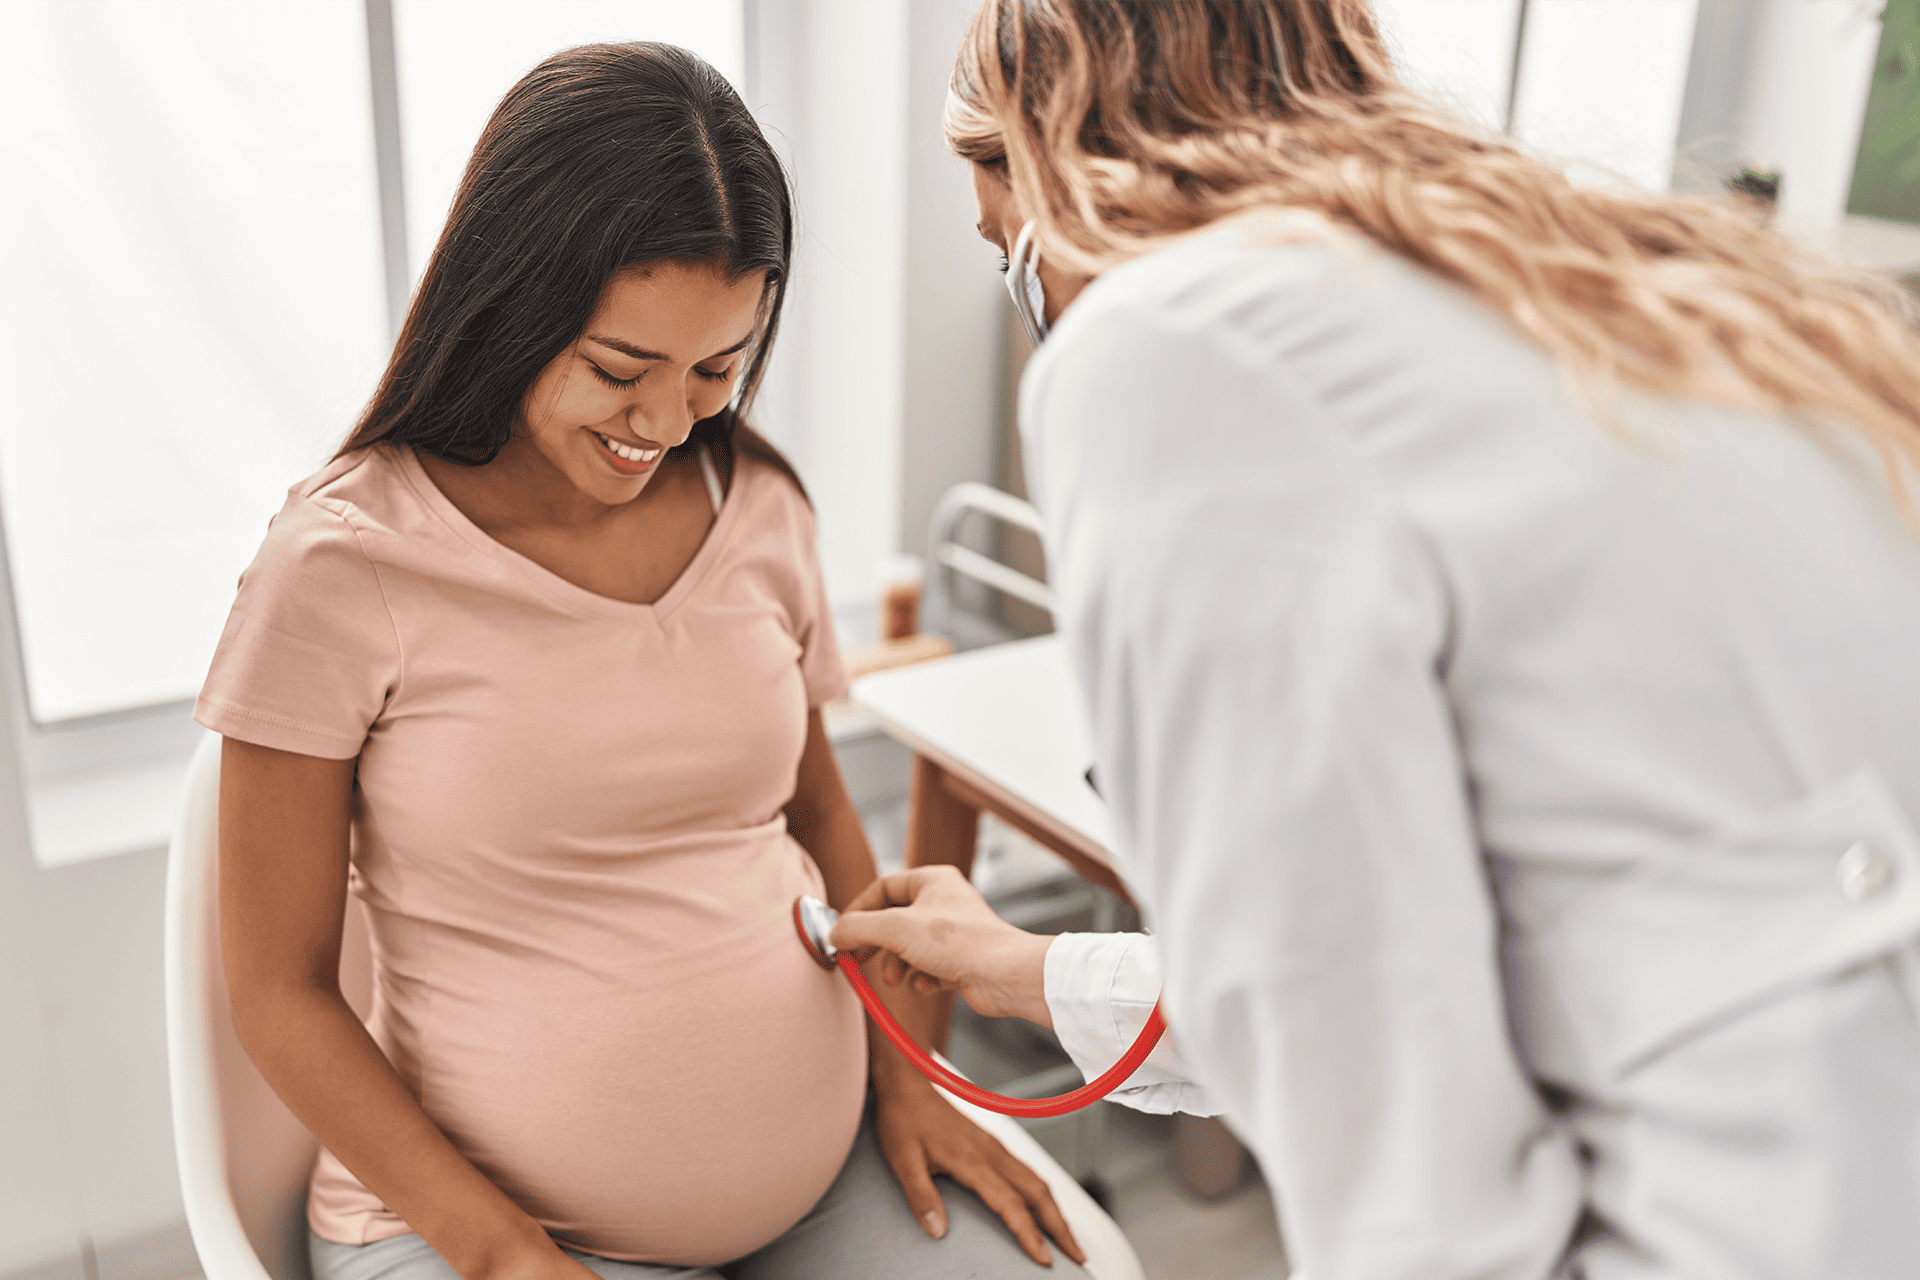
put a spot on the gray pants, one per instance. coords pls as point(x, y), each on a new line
point(860, 1230)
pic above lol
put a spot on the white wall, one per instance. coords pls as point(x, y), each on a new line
point(956, 304)
point(884, 386)
point(86, 1145)
point(38, 1225)
point(1602, 83)
point(1808, 77)
point(833, 394)
point(1457, 52)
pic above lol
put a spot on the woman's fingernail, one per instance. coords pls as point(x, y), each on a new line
point(935, 1224)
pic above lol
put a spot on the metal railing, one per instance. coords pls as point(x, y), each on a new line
point(950, 558)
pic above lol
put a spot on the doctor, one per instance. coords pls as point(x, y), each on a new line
point(1497, 603)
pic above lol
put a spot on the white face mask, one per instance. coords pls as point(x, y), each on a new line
point(1023, 283)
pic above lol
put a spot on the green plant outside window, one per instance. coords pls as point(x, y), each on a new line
point(1886, 173)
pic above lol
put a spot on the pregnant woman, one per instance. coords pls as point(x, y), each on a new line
point(533, 668)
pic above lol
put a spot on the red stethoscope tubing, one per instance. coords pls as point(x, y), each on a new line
point(961, 1087)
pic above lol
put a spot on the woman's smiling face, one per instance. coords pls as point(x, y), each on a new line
point(663, 349)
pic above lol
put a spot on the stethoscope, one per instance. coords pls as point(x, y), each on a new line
point(814, 920)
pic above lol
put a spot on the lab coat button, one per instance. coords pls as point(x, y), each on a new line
point(1862, 873)
point(1139, 1088)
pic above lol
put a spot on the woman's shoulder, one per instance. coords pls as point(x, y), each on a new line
point(372, 493)
point(343, 510)
point(1204, 300)
point(770, 533)
point(370, 479)
point(770, 494)
point(1221, 271)
point(1270, 284)
point(1301, 301)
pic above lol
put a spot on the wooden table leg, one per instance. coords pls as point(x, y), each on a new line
point(941, 828)
point(1209, 1159)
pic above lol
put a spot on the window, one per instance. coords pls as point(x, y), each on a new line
point(196, 311)
point(1601, 84)
point(1458, 52)
point(1598, 83)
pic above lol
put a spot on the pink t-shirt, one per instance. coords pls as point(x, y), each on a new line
point(569, 840)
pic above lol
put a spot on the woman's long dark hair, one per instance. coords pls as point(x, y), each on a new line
point(602, 157)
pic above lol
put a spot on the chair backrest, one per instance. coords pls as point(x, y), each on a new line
point(951, 558)
point(244, 1160)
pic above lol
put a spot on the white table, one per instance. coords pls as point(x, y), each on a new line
point(999, 730)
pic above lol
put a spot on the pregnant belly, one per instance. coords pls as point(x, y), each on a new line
point(684, 1101)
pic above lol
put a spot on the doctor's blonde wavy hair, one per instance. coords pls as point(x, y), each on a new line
point(1123, 123)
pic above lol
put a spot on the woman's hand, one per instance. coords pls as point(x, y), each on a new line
point(922, 1134)
point(937, 931)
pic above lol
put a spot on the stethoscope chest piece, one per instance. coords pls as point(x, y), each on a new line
point(814, 921)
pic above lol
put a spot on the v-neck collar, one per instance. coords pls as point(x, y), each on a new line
point(570, 594)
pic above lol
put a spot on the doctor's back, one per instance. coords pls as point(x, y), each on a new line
point(1526, 771)
point(1497, 617)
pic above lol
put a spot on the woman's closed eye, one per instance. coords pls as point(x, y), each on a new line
point(612, 381)
point(711, 375)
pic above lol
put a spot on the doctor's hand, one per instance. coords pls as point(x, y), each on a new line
point(938, 932)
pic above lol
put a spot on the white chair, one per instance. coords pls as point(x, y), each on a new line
point(244, 1159)
point(951, 559)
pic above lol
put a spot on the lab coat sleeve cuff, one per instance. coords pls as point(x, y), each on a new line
point(1100, 989)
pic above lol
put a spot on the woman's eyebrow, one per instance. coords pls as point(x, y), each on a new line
point(641, 353)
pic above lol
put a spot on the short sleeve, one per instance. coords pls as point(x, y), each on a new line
point(309, 656)
point(820, 665)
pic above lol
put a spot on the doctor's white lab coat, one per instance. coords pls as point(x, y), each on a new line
point(1523, 793)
